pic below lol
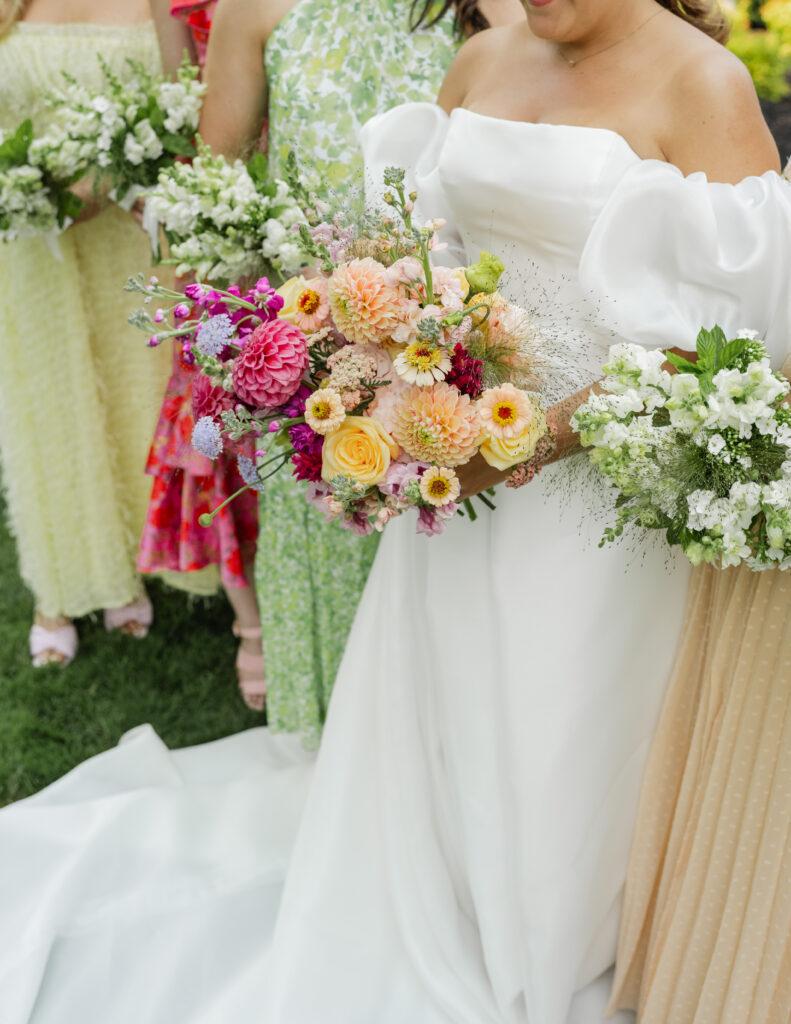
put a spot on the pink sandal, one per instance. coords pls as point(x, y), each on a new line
point(133, 619)
point(53, 646)
point(253, 689)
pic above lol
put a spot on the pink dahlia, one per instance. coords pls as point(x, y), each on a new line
point(269, 368)
point(364, 305)
point(209, 400)
point(437, 425)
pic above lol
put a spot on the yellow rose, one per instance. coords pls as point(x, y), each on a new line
point(359, 448)
point(503, 454)
point(289, 292)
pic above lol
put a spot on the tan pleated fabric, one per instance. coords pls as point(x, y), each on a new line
point(706, 930)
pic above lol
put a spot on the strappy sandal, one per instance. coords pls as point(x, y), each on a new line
point(53, 646)
point(133, 619)
point(252, 687)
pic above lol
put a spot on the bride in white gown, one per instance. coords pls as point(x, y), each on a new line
point(464, 839)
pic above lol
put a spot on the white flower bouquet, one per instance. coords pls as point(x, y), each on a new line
point(225, 221)
point(704, 454)
point(125, 132)
point(34, 200)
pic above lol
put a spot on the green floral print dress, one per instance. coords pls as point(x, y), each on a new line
point(330, 68)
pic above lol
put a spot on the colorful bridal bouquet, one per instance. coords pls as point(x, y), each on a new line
point(704, 454)
point(125, 132)
point(224, 221)
point(33, 199)
point(374, 380)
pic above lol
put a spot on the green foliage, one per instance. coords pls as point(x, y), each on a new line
point(767, 54)
point(13, 151)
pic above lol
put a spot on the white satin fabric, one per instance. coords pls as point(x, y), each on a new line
point(465, 832)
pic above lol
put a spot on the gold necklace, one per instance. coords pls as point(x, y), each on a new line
point(574, 63)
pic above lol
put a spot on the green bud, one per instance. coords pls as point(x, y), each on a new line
point(484, 276)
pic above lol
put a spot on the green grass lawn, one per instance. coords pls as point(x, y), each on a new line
point(180, 679)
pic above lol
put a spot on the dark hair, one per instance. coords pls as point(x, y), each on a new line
point(468, 18)
point(707, 15)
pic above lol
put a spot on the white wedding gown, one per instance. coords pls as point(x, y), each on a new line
point(462, 840)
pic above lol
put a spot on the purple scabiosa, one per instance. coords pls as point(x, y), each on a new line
point(214, 335)
point(249, 473)
point(207, 438)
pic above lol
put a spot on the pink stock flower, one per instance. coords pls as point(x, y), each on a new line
point(364, 306)
point(450, 287)
point(431, 521)
point(407, 270)
point(269, 368)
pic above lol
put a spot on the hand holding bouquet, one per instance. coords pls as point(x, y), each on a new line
point(374, 380)
point(34, 199)
point(704, 454)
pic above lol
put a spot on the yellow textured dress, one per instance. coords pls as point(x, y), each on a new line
point(79, 389)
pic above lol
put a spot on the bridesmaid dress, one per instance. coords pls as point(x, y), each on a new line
point(330, 67)
point(79, 393)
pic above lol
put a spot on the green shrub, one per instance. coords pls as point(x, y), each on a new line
point(766, 54)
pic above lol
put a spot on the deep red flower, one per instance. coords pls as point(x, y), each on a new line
point(307, 466)
point(466, 372)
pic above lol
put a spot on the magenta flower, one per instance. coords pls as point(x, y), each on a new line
point(295, 406)
point(305, 440)
point(196, 292)
point(208, 400)
point(269, 369)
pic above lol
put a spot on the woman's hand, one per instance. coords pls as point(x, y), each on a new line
point(477, 475)
point(93, 202)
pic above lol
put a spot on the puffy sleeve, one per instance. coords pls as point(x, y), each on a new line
point(670, 254)
point(412, 137)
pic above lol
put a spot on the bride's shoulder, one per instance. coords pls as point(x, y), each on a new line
point(713, 121)
point(480, 52)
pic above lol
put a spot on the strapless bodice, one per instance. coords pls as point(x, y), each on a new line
point(530, 192)
point(591, 234)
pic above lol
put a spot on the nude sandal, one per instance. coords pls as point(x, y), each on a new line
point(253, 689)
point(133, 619)
point(53, 646)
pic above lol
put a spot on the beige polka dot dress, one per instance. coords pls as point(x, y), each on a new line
point(706, 929)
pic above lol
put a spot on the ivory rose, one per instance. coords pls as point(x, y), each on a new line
point(359, 448)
